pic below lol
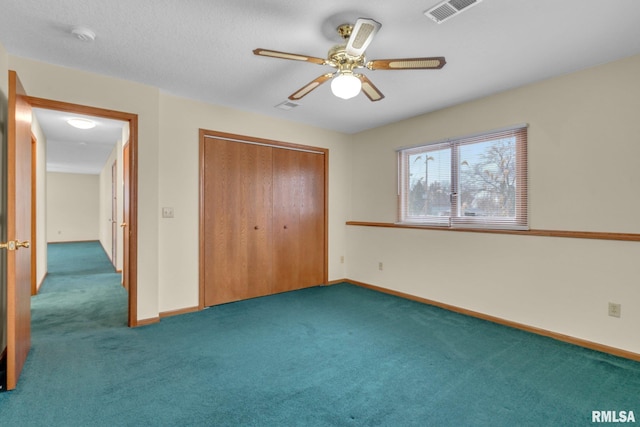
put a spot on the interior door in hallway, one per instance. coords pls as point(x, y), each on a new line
point(16, 229)
point(237, 218)
point(298, 219)
point(114, 214)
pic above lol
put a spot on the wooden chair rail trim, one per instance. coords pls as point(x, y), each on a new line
point(597, 235)
point(538, 331)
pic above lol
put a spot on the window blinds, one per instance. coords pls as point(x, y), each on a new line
point(473, 181)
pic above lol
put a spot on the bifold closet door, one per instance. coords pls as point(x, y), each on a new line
point(298, 219)
point(237, 219)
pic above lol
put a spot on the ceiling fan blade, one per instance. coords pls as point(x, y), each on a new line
point(432, 63)
point(304, 90)
point(361, 35)
point(369, 88)
point(285, 55)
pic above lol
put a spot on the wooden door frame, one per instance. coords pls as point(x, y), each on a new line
point(132, 119)
point(203, 135)
point(126, 212)
point(34, 219)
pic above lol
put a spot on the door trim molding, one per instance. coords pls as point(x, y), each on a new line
point(34, 218)
point(132, 119)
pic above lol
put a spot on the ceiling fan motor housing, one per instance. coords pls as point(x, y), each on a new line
point(340, 59)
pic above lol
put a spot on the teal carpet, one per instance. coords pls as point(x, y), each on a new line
point(326, 356)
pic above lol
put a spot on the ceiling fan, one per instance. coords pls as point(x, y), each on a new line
point(350, 56)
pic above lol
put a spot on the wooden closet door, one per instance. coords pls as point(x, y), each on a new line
point(237, 221)
point(298, 219)
point(312, 219)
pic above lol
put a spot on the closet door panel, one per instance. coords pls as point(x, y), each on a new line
point(237, 217)
point(257, 192)
point(298, 219)
point(312, 224)
point(287, 194)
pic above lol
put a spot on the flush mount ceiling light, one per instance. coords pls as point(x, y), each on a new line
point(346, 85)
point(82, 123)
point(84, 34)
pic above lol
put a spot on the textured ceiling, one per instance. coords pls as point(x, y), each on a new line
point(202, 49)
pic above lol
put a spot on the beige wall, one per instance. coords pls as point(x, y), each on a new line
point(4, 70)
point(41, 201)
point(73, 207)
point(584, 144)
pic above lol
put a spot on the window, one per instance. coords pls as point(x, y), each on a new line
point(476, 181)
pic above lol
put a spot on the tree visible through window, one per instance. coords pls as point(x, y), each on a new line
point(478, 181)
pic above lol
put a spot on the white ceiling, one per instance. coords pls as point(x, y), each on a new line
point(202, 49)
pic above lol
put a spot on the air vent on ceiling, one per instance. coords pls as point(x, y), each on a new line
point(84, 34)
point(448, 9)
point(287, 105)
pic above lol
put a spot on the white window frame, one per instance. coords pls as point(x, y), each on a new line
point(454, 218)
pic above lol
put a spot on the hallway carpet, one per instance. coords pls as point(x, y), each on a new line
point(325, 356)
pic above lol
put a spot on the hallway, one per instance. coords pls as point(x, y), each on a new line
point(81, 292)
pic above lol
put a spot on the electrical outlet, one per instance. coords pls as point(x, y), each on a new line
point(614, 309)
point(341, 259)
point(380, 266)
point(167, 212)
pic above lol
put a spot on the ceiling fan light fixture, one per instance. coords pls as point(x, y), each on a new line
point(345, 85)
point(82, 123)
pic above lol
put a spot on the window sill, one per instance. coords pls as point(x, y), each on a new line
point(629, 237)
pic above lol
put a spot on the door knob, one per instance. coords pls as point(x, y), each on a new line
point(14, 245)
point(124, 224)
point(24, 244)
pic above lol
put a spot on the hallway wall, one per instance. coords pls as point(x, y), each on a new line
point(73, 207)
point(41, 201)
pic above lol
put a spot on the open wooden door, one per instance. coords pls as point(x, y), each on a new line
point(18, 230)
